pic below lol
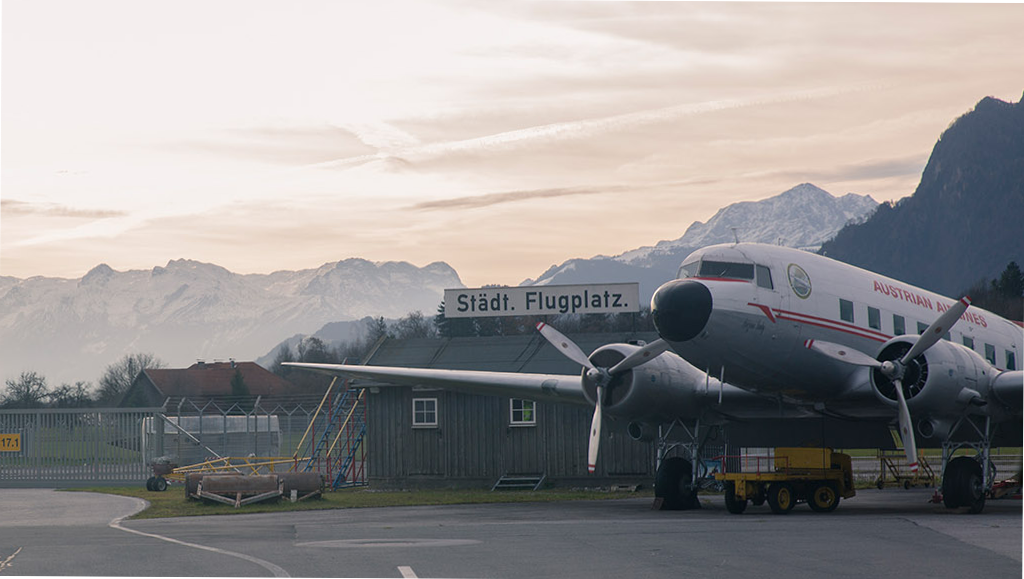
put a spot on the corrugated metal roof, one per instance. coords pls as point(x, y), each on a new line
point(530, 353)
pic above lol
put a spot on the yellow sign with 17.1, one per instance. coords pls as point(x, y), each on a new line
point(10, 443)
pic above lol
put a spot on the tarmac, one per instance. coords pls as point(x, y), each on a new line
point(885, 533)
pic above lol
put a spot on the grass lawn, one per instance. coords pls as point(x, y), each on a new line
point(172, 503)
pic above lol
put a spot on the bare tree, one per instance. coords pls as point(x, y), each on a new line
point(28, 391)
point(68, 396)
point(119, 376)
point(414, 325)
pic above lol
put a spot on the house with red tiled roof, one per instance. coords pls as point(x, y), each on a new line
point(204, 380)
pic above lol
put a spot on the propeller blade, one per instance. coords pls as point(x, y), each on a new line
point(906, 427)
point(565, 345)
point(644, 354)
point(935, 331)
point(595, 433)
point(842, 353)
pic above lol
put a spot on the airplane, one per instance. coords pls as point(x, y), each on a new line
point(767, 338)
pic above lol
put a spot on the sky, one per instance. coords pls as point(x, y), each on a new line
point(499, 137)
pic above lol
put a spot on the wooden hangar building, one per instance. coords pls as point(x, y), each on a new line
point(427, 437)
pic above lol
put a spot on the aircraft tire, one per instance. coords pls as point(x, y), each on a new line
point(672, 485)
point(732, 504)
point(781, 498)
point(962, 484)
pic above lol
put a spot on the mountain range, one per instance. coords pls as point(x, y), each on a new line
point(71, 329)
point(963, 223)
point(803, 217)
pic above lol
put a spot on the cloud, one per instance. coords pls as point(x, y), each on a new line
point(595, 127)
point(862, 171)
point(15, 207)
point(490, 199)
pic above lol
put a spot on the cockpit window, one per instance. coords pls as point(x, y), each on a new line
point(764, 277)
point(727, 270)
point(688, 270)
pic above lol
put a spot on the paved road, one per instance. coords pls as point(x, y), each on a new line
point(878, 533)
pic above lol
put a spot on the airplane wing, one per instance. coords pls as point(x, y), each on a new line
point(540, 387)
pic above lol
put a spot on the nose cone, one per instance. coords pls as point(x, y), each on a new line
point(681, 309)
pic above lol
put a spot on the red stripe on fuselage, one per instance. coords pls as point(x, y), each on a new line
point(821, 323)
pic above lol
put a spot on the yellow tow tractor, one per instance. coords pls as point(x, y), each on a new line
point(816, 476)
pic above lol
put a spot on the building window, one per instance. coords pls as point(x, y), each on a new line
point(921, 328)
point(969, 342)
point(846, 310)
point(1011, 361)
point(522, 412)
point(424, 412)
point(874, 318)
point(764, 277)
point(990, 354)
point(899, 325)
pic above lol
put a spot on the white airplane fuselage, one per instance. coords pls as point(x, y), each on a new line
point(763, 302)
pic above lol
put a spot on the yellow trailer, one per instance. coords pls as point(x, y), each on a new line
point(816, 476)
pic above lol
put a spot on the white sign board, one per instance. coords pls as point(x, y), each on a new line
point(610, 298)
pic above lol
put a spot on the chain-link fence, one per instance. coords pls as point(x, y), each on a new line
point(106, 446)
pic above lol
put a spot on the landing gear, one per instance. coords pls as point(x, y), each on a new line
point(678, 480)
point(673, 485)
point(963, 485)
point(966, 480)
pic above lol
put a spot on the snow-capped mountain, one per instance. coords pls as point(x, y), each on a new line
point(70, 330)
point(804, 217)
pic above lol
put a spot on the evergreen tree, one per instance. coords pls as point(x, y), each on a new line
point(284, 354)
point(238, 387)
point(1010, 282)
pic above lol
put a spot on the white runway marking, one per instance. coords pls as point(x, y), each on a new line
point(116, 524)
point(407, 572)
point(361, 543)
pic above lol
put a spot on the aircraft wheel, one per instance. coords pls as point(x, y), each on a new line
point(962, 484)
point(824, 498)
point(672, 485)
point(781, 498)
point(734, 505)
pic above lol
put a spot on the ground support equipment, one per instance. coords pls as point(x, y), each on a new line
point(816, 476)
point(892, 471)
point(238, 490)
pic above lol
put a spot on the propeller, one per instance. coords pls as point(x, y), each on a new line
point(600, 376)
point(894, 370)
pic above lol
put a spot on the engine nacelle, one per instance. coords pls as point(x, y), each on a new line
point(938, 384)
point(659, 390)
point(641, 431)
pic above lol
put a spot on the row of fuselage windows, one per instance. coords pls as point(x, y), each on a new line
point(520, 412)
point(899, 327)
